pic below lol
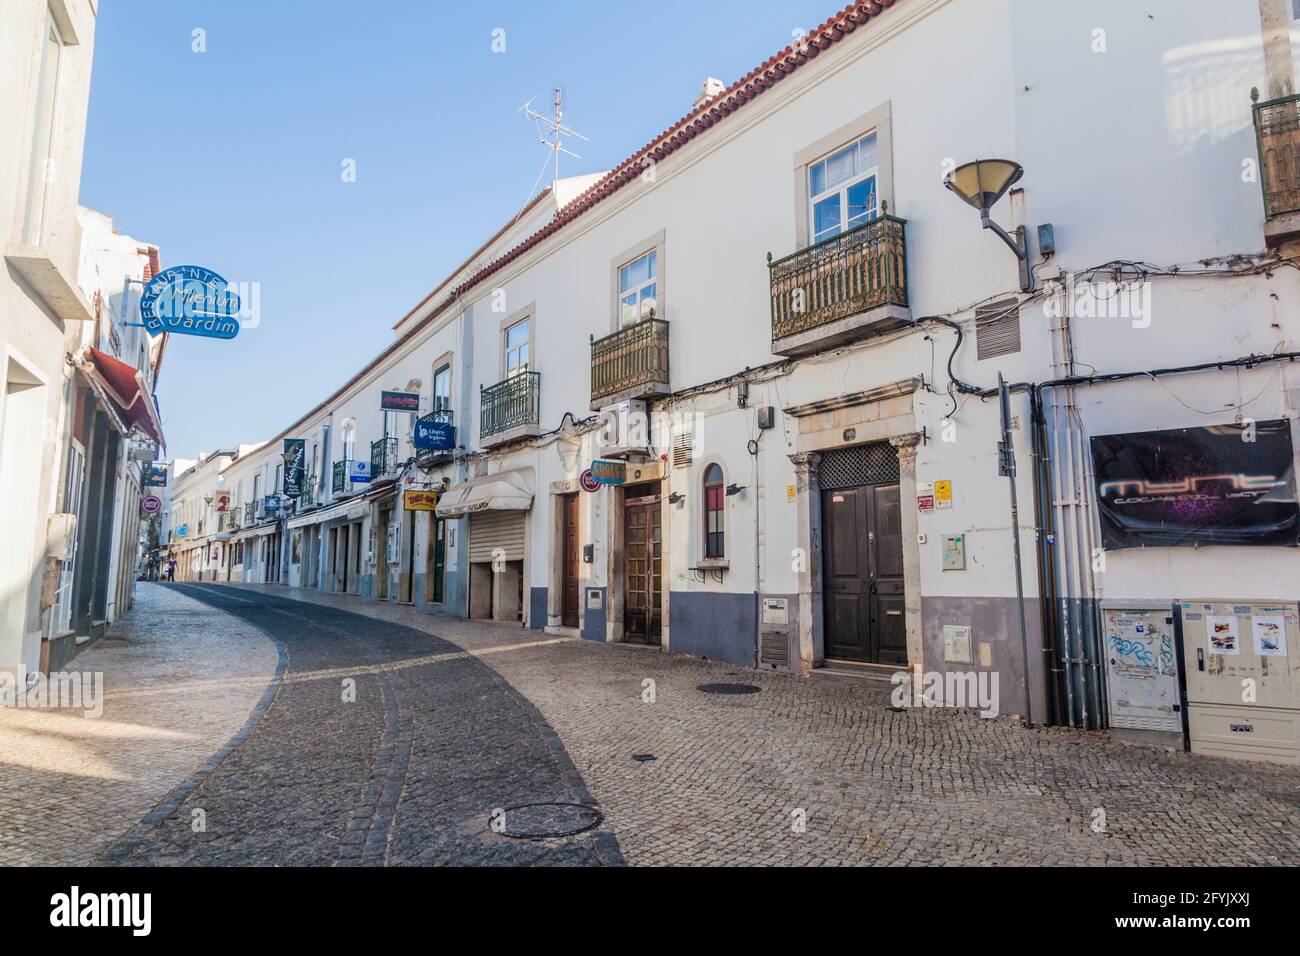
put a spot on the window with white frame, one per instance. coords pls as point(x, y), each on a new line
point(44, 123)
point(442, 388)
point(516, 345)
point(842, 188)
point(637, 288)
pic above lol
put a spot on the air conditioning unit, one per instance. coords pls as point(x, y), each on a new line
point(625, 430)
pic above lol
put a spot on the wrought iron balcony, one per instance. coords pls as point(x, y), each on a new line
point(341, 477)
point(510, 409)
point(1277, 134)
point(383, 458)
point(631, 363)
point(843, 288)
point(250, 513)
point(308, 496)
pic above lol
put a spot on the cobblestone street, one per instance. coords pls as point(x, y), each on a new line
point(453, 719)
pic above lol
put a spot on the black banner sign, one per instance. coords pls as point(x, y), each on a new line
point(295, 452)
point(1224, 484)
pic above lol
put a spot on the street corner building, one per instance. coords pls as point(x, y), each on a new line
point(79, 426)
point(883, 359)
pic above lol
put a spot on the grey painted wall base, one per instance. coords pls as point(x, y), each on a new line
point(719, 626)
point(992, 620)
point(537, 609)
point(593, 618)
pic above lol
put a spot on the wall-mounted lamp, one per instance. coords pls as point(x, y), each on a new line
point(734, 489)
point(676, 498)
point(981, 184)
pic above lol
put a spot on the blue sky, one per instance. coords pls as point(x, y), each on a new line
point(231, 159)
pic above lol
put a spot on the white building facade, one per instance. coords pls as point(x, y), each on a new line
point(738, 397)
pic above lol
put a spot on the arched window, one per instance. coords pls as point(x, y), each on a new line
point(714, 495)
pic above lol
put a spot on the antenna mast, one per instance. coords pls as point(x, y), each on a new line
point(551, 131)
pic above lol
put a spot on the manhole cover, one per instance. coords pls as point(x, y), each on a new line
point(728, 689)
point(541, 821)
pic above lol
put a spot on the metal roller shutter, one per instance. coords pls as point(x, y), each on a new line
point(490, 530)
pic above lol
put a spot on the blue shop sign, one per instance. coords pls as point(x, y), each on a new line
point(432, 434)
point(190, 300)
point(359, 472)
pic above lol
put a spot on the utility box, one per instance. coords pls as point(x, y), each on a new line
point(1142, 672)
point(1242, 669)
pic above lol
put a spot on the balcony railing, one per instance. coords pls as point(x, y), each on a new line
point(631, 363)
point(307, 498)
point(1277, 134)
point(853, 273)
point(510, 407)
point(340, 477)
point(383, 458)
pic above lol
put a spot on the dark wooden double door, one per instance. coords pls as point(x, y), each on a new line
point(863, 575)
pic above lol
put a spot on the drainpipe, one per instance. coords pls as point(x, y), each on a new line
point(1046, 562)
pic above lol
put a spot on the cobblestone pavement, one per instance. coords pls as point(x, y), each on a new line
point(454, 718)
point(381, 744)
point(938, 787)
point(180, 679)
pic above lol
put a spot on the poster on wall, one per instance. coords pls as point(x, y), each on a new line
point(1222, 631)
point(1189, 487)
point(1270, 635)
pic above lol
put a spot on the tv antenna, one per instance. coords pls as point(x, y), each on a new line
point(551, 131)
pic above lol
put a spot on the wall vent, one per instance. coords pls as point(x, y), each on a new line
point(774, 650)
point(997, 329)
point(683, 449)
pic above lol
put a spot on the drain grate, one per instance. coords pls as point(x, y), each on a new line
point(544, 821)
point(728, 689)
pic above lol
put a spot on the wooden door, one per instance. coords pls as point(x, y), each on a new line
point(570, 561)
point(642, 570)
point(863, 589)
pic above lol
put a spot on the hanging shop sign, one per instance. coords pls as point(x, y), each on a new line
point(588, 481)
point(190, 300)
point(1222, 484)
point(420, 500)
point(183, 531)
point(154, 476)
point(150, 504)
point(295, 456)
point(271, 505)
point(433, 434)
point(221, 500)
point(399, 401)
point(607, 472)
point(359, 472)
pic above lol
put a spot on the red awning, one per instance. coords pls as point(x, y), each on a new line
point(122, 388)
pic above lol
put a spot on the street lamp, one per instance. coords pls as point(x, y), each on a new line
point(981, 184)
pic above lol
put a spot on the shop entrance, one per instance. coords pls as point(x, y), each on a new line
point(569, 578)
point(862, 544)
point(642, 565)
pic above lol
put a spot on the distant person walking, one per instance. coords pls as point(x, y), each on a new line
point(171, 569)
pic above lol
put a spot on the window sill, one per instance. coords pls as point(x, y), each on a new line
point(48, 281)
